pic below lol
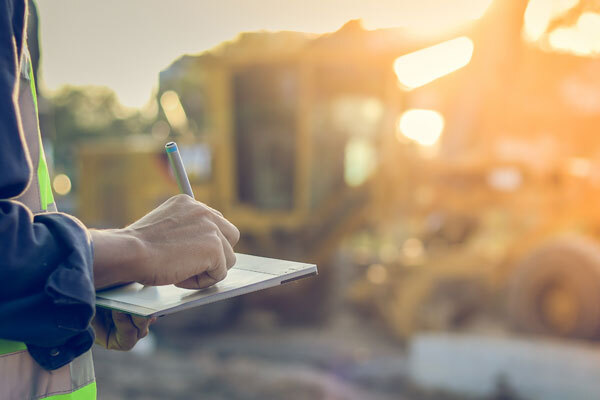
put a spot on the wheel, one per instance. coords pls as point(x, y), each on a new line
point(556, 290)
point(433, 301)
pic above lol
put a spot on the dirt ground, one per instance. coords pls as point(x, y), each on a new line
point(345, 359)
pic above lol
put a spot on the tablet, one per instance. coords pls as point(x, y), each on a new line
point(249, 274)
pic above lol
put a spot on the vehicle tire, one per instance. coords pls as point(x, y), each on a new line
point(556, 290)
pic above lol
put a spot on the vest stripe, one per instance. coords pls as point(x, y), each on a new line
point(8, 346)
point(46, 196)
point(85, 393)
point(20, 376)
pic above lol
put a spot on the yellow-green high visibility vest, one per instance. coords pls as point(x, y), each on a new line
point(20, 376)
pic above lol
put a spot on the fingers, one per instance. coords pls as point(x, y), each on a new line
point(213, 210)
point(119, 331)
point(223, 259)
point(227, 228)
point(204, 279)
point(125, 334)
point(198, 236)
point(200, 281)
point(227, 251)
point(229, 231)
point(142, 324)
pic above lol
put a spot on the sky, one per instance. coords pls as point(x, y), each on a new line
point(123, 44)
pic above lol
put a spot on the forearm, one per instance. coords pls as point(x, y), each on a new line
point(117, 253)
point(46, 289)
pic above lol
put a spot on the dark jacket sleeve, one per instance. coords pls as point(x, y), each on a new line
point(46, 282)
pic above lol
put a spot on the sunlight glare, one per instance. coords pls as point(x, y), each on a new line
point(423, 126)
point(359, 161)
point(582, 39)
point(173, 109)
point(426, 17)
point(539, 13)
point(426, 65)
point(146, 36)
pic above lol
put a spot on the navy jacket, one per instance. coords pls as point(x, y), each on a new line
point(46, 280)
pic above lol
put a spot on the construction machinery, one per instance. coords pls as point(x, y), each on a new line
point(278, 131)
point(500, 219)
point(299, 140)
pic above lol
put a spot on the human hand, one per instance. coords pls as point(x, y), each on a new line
point(119, 331)
point(181, 242)
point(187, 242)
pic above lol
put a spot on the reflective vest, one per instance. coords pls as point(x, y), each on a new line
point(20, 376)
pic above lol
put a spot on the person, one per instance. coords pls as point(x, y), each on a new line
point(51, 264)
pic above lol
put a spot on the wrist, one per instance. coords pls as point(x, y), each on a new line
point(117, 254)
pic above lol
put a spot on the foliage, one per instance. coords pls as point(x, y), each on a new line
point(73, 115)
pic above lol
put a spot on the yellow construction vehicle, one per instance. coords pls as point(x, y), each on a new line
point(279, 131)
point(295, 137)
point(502, 219)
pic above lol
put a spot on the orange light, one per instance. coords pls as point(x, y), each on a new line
point(539, 13)
point(582, 39)
point(423, 126)
point(425, 65)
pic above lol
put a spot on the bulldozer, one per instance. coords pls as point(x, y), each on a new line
point(295, 138)
point(277, 130)
point(501, 220)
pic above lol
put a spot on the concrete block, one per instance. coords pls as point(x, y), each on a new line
point(534, 368)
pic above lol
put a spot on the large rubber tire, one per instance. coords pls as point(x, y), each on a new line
point(567, 269)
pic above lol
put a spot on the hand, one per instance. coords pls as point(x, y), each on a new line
point(119, 331)
point(182, 242)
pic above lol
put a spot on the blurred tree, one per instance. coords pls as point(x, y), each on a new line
point(78, 114)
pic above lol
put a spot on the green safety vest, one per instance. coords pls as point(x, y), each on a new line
point(20, 376)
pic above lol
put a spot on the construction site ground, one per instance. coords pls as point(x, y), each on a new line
point(346, 358)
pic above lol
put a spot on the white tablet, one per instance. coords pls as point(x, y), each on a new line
point(249, 274)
